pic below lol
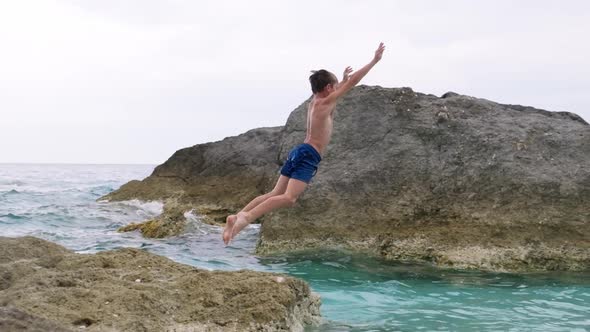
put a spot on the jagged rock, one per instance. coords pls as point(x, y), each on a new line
point(48, 288)
point(457, 181)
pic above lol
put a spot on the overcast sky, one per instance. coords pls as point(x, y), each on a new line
point(117, 81)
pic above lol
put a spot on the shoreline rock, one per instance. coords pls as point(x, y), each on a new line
point(44, 286)
point(456, 181)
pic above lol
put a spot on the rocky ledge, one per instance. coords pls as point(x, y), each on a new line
point(453, 180)
point(45, 287)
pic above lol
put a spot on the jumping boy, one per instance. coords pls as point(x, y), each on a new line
point(302, 162)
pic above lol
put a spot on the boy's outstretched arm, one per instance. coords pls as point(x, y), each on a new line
point(356, 77)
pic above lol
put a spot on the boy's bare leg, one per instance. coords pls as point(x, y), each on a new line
point(231, 219)
point(244, 218)
point(280, 188)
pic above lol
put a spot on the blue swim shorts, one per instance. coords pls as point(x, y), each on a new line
point(302, 163)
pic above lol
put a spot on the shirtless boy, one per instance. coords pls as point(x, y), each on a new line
point(302, 162)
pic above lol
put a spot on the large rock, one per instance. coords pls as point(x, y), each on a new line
point(44, 287)
point(456, 180)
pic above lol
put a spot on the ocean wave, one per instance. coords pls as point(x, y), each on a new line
point(150, 208)
point(191, 216)
point(196, 225)
point(30, 189)
point(9, 192)
point(12, 216)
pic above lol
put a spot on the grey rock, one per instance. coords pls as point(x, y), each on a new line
point(456, 181)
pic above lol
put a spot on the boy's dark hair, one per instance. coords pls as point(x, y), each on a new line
point(320, 78)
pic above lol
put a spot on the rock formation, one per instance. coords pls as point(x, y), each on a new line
point(456, 180)
point(44, 287)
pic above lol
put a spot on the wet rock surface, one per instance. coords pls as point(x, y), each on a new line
point(456, 180)
point(45, 287)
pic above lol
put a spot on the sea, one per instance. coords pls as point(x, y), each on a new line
point(58, 202)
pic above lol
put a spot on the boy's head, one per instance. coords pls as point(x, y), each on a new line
point(322, 79)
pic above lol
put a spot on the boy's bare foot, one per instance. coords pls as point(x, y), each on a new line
point(241, 222)
point(228, 229)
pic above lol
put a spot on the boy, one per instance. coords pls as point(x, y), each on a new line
point(303, 160)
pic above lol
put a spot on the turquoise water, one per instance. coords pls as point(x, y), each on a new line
point(58, 203)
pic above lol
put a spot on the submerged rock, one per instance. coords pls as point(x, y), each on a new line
point(456, 180)
point(44, 287)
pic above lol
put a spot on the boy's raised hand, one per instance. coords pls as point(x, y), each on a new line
point(346, 74)
point(349, 81)
point(379, 52)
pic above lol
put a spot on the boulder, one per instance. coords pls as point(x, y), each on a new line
point(457, 181)
point(44, 287)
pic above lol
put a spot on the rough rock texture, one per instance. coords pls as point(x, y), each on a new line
point(44, 287)
point(456, 180)
point(13, 320)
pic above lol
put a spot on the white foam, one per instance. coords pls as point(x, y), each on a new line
point(198, 226)
point(145, 208)
point(191, 216)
